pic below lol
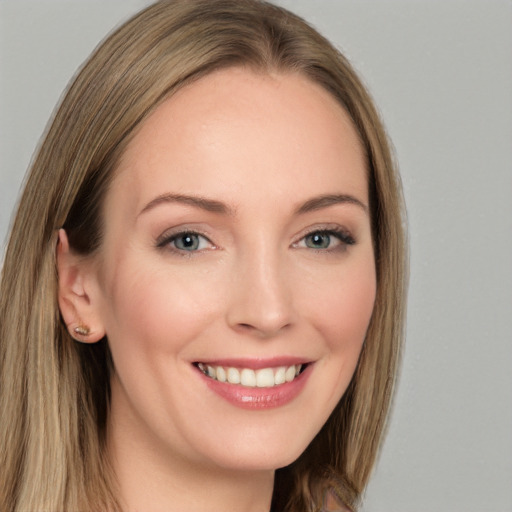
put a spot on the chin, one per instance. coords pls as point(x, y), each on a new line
point(264, 449)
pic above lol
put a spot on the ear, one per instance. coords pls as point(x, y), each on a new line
point(78, 301)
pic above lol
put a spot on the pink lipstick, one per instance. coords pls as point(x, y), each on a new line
point(256, 383)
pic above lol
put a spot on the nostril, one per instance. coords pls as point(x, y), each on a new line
point(259, 331)
point(245, 328)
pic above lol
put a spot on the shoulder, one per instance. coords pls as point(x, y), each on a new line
point(332, 504)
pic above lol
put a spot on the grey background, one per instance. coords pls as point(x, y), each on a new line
point(441, 73)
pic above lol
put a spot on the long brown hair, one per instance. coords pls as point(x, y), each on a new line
point(54, 393)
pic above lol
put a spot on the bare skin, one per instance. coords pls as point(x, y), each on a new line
point(236, 229)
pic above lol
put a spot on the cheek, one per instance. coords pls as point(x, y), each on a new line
point(341, 304)
point(158, 309)
point(343, 322)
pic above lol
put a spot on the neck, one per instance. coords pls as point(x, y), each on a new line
point(160, 490)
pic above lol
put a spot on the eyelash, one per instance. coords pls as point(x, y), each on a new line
point(167, 240)
point(344, 238)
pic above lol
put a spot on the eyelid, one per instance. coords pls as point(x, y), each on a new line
point(343, 235)
point(165, 239)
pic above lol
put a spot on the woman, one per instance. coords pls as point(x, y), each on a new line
point(202, 295)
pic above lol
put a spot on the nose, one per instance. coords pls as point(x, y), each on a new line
point(261, 299)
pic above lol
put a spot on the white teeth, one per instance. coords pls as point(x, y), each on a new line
point(290, 374)
point(280, 376)
point(264, 378)
point(248, 378)
point(233, 376)
point(221, 374)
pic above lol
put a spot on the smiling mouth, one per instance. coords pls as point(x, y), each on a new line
point(262, 378)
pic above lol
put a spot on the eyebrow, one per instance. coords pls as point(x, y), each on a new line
point(211, 205)
point(324, 201)
point(203, 203)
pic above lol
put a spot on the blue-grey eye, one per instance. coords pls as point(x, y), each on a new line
point(326, 240)
point(318, 240)
point(187, 241)
point(184, 241)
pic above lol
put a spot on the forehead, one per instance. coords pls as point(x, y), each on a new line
point(237, 134)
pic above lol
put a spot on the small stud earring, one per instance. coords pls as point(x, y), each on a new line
point(82, 330)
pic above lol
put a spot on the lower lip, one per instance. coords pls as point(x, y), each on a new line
point(259, 398)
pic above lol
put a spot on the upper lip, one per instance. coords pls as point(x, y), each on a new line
point(255, 363)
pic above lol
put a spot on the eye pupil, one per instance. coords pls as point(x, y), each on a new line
point(318, 240)
point(187, 242)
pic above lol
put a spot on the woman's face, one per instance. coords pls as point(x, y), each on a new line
point(237, 243)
